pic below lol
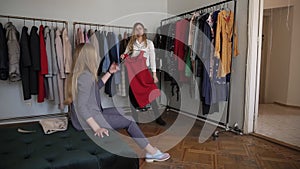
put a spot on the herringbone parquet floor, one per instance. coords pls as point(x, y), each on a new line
point(229, 151)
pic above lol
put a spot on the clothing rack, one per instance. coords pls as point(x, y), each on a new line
point(65, 23)
point(33, 117)
point(208, 8)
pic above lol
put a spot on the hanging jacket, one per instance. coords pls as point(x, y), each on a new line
point(12, 36)
point(3, 55)
point(35, 60)
point(25, 63)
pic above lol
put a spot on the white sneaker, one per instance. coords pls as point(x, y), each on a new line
point(158, 156)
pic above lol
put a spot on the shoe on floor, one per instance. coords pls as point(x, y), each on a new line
point(160, 121)
point(158, 156)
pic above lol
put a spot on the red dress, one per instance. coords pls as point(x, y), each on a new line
point(44, 66)
point(140, 80)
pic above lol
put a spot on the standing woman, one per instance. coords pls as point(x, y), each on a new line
point(142, 50)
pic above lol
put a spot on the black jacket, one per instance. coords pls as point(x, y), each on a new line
point(3, 55)
point(35, 59)
point(25, 63)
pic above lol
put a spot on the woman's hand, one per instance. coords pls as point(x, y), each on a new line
point(155, 78)
point(122, 56)
point(101, 132)
point(114, 68)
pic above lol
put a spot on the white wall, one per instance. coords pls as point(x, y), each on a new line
point(294, 77)
point(283, 80)
point(269, 4)
point(113, 12)
point(239, 63)
point(99, 11)
point(278, 55)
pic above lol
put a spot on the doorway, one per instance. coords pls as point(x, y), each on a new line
point(279, 110)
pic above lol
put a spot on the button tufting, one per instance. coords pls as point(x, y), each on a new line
point(50, 160)
point(27, 156)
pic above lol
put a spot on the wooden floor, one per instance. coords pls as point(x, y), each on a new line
point(279, 122)
point(229, 151)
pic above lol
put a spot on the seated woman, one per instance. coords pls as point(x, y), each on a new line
point(84, 97)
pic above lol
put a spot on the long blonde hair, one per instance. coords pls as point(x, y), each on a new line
point(85, 58)
point(134, 37)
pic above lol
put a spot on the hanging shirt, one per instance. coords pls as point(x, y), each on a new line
point(149, 52)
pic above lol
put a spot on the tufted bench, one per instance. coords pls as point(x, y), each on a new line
point(70, 149)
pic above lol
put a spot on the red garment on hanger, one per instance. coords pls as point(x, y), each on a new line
point(44, 66)
point(140, 80)
point(181, 39)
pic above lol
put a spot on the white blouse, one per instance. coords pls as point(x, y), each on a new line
point(149, 53)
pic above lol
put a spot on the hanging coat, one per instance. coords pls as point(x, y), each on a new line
point(54, 66)
point(35, 60)
point(25, 63)
point(3, 55)
point(61, 69)
point(49, 76)
point(12, 36)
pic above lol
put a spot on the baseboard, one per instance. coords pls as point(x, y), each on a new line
point(276, 141)
point(29, 119)
point(286, 105)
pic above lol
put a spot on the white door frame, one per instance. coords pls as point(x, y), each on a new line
point(255, 25)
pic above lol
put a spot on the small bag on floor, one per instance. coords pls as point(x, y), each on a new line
point(52, 125)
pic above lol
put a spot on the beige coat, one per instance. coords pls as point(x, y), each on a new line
point(67, 50)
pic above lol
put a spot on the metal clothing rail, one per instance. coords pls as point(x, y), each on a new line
point(96, 25)
point(65, 23)
point(197, 10)
point(100, 25)
point(206, 9)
